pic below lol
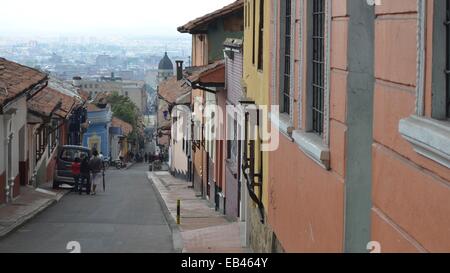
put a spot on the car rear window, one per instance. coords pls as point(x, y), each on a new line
point(69, 154)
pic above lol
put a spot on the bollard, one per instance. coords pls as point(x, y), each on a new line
point(178, 211)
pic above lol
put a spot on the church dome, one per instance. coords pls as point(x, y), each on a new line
point(165, 63)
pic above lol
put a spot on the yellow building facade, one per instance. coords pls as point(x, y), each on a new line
point(256, 85)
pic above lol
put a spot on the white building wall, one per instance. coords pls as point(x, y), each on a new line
point(2, 146)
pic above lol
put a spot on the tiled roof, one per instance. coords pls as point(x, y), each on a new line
point(125, 126)
point(206, 73)
point(93, 108)
point(48, 99)
point(16, 79)
point(45, 101)
point(200, 22)
point(171, 89)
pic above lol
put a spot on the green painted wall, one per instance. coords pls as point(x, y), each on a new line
point(216, 37)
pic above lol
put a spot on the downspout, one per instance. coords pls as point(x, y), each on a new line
point(248, 171)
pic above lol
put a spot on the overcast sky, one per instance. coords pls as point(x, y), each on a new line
point(97, 17)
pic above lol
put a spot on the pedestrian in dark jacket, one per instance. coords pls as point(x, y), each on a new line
point(96, 166)
point(85, 175)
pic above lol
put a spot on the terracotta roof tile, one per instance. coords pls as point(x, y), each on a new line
point(47, 100)
point(16, 79)
point(125, 126)
point(171, 89)
point(200, 22)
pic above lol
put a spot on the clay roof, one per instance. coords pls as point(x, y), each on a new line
point(15, 79)
point(212, 73)
point(93, 108)
point(125, 126)
point(171, 89)
point(49, 100)
point(83, 94)
point(101, 98)
point(203, 21)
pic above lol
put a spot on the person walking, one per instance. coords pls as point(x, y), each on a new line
point(96, 166)
point(76, 173)
point(146, 157)
point(85, 176)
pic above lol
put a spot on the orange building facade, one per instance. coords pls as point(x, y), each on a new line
point(363, 119)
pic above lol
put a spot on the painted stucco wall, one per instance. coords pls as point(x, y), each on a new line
point(256, 87)
point(219, 31)
point(2, 161)
point(199, 50)
point(100, 122)
point(257, 82)
point(234, 72)
point(19, 121)
point(411, 193)
point(307, 203)
point(179, 161)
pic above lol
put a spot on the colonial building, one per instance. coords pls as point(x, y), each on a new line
point(234, 65)
point(49, 118)
point(362, 118)
point(411, 127)
point(118, 138)
point(97, 135)
point(18, 84)
point(209, 32)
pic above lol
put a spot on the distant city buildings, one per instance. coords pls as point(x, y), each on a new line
point(135, 90)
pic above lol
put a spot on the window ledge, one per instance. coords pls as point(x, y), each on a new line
point(281, 121)
point(429, 137)
point(313, 147)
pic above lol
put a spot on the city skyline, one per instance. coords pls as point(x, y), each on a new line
point(100, 17)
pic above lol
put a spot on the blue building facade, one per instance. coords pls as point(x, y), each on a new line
point(97, 135)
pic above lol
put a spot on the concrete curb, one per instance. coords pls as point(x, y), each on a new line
point(25, 218)
point(176, 233)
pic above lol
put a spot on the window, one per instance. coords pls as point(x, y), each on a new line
point(261, 35)
point(285, 95)
point(318, 66)
point(447, 53)
point(254, 30)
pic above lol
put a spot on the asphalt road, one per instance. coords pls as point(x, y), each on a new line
point(125, 218)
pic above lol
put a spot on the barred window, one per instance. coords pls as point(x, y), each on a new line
point(318, 66)
point(285, 94)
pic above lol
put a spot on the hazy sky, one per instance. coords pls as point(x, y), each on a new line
point(97, 17)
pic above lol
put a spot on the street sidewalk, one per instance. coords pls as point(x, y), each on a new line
point(203, 230)
point(30, 202)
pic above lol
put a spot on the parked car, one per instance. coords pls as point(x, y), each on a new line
point(65, 157)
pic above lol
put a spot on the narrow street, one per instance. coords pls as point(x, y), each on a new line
point(125, 218)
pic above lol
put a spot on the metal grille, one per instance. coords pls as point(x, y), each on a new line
point(286, 98)
point(447, 23)
point(318, 65)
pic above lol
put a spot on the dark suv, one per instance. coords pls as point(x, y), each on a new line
point(65, 157)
